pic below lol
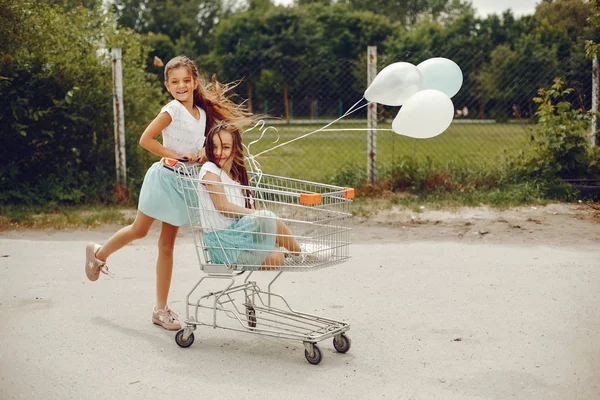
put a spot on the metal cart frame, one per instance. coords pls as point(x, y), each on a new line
point(317, 214)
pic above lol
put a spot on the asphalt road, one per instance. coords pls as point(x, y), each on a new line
point(429, 320)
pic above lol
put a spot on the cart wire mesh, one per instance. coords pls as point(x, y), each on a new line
point(315, 219)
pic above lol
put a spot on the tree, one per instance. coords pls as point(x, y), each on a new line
point(310, 2)
point(293, 37)
point(181, 20)
point(69, 4)
point(56, 102)
point(470, 42)
point(461, 41)
point(486, 78)
point(564, 24)
point(307, 52)
point(567, 15)
point(239, 50)
point(512, 77)
point(338, 70)
point(592, 52)
point(347, 32)
point(282, 38)
point(408, 13)
point(259, 5)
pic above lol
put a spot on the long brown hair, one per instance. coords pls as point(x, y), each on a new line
point(239, 172)
point(212, 96)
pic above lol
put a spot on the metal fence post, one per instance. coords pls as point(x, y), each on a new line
point(371, 116)
point(119, 114)
point(595, 100)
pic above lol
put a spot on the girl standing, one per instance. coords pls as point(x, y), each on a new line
point(184, 123)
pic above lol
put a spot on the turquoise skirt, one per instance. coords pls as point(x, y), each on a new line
point(161, 199)
point(249, 241)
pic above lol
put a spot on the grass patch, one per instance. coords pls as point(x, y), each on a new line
point(505, 197)
point(463, 167)
point(369, 202)
point(502, 198)
point(320, 156)
point(63, 217)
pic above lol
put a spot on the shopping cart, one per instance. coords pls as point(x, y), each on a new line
point(317, 216)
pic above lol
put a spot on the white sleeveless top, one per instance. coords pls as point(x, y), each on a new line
point(185, 134)
point(210, 216)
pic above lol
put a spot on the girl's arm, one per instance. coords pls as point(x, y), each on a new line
point(149, 142)
point(219, 198)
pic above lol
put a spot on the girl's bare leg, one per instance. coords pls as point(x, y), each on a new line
point(139, 229)
point(164, 265)
point(274, 259)
point(285, 239)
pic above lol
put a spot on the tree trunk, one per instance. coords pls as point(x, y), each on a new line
point(286, 102)
point(595, 137)
point(249, 87)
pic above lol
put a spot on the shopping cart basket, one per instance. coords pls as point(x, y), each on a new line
point(317, 216)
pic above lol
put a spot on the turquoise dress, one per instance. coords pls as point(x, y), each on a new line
point(159, 197)
point(249, 241)
point(243, 241)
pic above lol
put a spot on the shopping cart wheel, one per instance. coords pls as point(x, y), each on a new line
point(316, 356)
point(341, 343)
point(251, 316)
point(184, 343)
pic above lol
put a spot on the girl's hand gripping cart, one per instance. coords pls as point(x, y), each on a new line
point(317, 217)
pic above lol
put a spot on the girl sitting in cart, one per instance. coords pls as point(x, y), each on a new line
point(234, 232)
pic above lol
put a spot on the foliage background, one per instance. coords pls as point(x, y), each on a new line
point(301, 63)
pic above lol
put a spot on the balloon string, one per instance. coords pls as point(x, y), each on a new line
point(350, 111)
point(253, 164)
point(355, 129)
point(263, 130)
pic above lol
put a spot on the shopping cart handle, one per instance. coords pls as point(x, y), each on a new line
point(171, 162)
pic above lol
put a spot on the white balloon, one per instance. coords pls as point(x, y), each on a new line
point(441, 74)
point(424, 115)
point(394, 84)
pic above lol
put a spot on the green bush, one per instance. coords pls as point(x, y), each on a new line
point(562, 147)
point(351, 175)
point(56, 108)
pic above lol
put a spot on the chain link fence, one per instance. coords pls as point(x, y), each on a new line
point(494, 111)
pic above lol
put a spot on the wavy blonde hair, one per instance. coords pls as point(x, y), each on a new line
point(213, 97)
